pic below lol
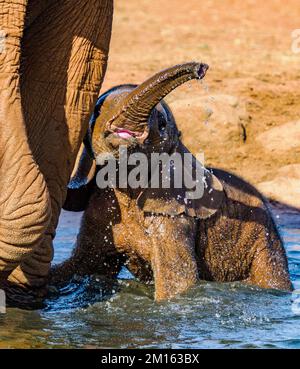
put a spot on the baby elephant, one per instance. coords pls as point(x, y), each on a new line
point(226, 234)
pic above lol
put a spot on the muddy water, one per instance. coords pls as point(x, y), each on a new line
point(123, 314)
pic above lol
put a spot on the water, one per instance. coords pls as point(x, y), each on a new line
point(124, 315)
point(207, 110)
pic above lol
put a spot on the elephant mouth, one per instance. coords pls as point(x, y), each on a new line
point(128, 135)
point(125, 133)
point(128, 122)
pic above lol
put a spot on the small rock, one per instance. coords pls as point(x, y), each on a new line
point(282, 138)
point(211, 118)
point(285, 187)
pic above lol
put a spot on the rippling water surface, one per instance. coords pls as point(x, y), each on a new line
point(123, 314)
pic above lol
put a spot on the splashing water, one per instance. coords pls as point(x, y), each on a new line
point(208, 111)
point(204, 85)
point(94, 313)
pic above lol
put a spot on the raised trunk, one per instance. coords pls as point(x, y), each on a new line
point(134, 111)
point(24, 200)
point(136, 107)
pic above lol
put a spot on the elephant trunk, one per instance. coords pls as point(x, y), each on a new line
point(137, 105)
point(173, 258)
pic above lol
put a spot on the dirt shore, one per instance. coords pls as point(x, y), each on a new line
point(251, 88)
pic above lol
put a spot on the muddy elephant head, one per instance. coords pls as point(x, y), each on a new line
point(53, 57)
point(137, 117)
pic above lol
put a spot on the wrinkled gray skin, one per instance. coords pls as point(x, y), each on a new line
point(52, 65)
point(227, 235)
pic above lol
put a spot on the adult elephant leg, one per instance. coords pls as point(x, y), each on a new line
point(24, 199)
point(64, 53)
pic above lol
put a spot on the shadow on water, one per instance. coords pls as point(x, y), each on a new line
point(92, 312)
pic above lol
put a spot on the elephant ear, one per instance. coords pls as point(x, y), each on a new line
point(174, 201)
point(81, 182)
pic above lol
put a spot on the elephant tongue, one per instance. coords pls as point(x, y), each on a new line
point(124, 133)
point(127, 133)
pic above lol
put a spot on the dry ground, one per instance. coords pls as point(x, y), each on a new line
point(247, 44)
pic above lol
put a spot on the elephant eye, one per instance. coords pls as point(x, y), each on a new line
point(162, 123)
